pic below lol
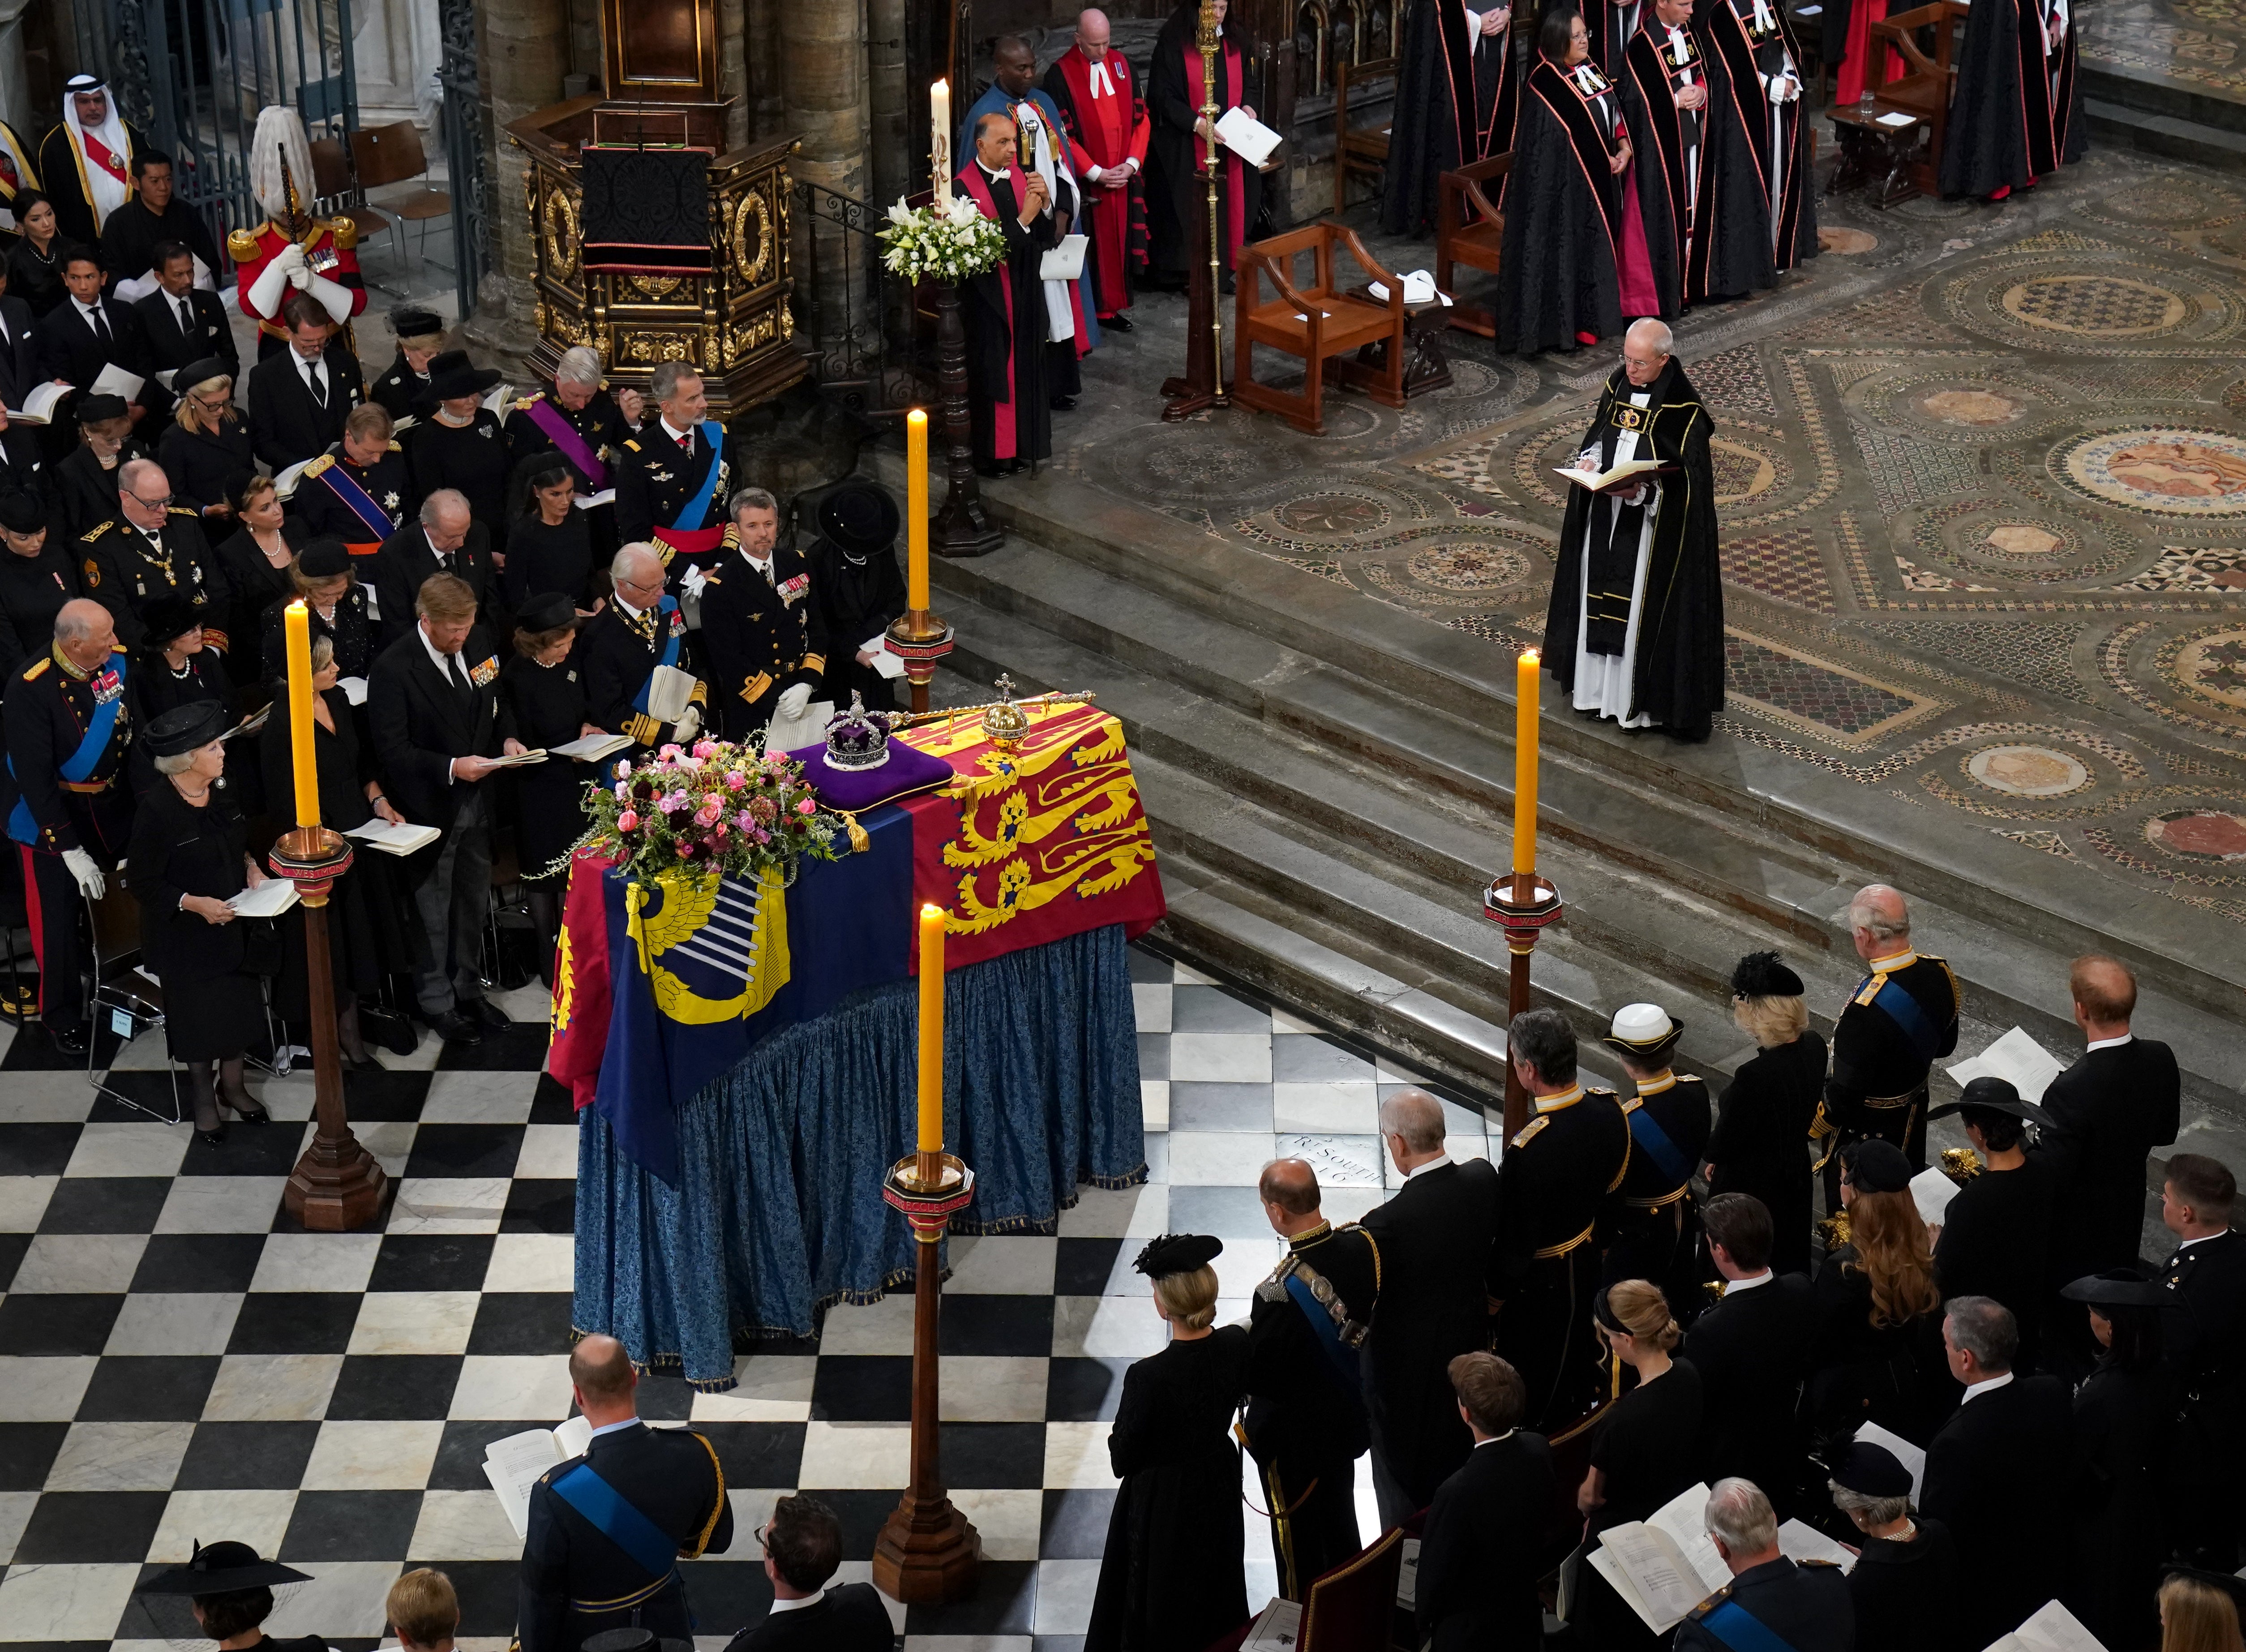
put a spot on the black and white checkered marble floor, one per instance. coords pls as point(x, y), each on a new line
point(178, 1361)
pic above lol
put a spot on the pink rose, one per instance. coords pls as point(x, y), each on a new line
point(704, 748)
point(624, 768)
point(806, 806)
point(668, 753)
point(735, 781)
point(708, 814)
point(624, 791)
point(628, 821)
point(746, 821)
point(718, 831)
point(674, 803)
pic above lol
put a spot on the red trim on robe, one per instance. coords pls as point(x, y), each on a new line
point(1120, 134)
point(1236, 206)
point(1003, 444)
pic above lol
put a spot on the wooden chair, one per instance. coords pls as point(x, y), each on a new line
point(1358, 151)
point(392, 154)
point(1469, 231)
point(333, 182)
point(1351, 1609)
point(1315, 322)
point(1925, 86)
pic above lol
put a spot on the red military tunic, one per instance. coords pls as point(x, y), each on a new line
point(329, 247)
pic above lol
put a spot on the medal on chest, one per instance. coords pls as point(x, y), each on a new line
point(107, 685)
point(483, 674)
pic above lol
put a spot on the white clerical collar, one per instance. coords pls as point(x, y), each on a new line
point(1437, 1163)
point(797, 1605)
point(611, 1428)
point(987, 172)
point(2109, 1043)
point(1102, 86)
point(1895, 964)
point(1987, 1385)
point(1733, 1286)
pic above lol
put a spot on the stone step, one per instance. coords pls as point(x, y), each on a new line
point(2157, 132)
point(2148, 91)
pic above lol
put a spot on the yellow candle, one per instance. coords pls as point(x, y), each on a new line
point(1526, 684)
point(916, 507)
point(931, 1029)
point(299, 628)
point(939, 147)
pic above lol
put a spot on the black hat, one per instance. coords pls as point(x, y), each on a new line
point(1877, 1167)
point(411, 320)
point(2117, 1287)
point(186, 728)
point(451, 373)
point(858, 517)
point(92, 410)
point(221, 1568)
point(323, 559)
point(1763, 974)
point(165, 618)
point(195, 373)
point(21, 513)
point(2232, 1586)
point(1873, 1471)
point(549, 611)
point(1177, 1254)
point(1991, 1094)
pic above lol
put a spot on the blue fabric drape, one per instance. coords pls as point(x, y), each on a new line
point(778, 1210)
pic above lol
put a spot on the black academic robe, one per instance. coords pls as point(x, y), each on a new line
point(1171, 1573)
point(1700, 162)
point(1174, 95)
point(1610, 25)
point(1563, 219)
point(1004, 309)
point(1679, 680)
point(1756, 48)
point(2016, 113)
point(1458, 98)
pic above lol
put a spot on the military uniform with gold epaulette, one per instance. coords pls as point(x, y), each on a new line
point(761, 634)
point(1902, 1018)
point(1305, 1424)
point(601, 426)
point(658, 477)
point(1653, 1230)
point(388, 483)
point(124, 569)
point(1554, 1182)
point(1801, 1606)
point(620, 650)
point(68, 733)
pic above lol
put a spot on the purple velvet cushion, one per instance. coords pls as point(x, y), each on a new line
point(906, 773)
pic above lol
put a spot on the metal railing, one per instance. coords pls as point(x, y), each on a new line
point(856, 320)
point(463, 149)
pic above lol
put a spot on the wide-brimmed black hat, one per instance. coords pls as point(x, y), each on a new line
point(221, 1568)
point(2231, 1586)
point(1763, 974)
point(21, 513)
point(165, 618)
point(547, 611)
point(1877, 1167)
point(1991, 1094)
point(858, 517)
point(1873, 1471)
point(451, 374)
point(202, 372)
point(2116, 1287)
point(97, 409)
point(184, 728)
point(1178, 1254)
point(411, 320)
point(323, 558)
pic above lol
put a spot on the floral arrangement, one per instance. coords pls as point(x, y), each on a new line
point(948, 241)
point(720, 808)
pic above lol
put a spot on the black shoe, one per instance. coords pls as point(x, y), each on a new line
point(212, 1138)
point(1063, 404)
point(489, 1014)
point(455, 1029)
point(72, 1039)
point(249, 1111)
point(1121, 323)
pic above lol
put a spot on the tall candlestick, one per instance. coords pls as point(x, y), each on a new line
point(931, 1029)
point(916, 507)
point(1527, 683)
point(298, 627)
point(939, 148)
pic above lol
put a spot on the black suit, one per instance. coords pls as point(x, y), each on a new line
point(19, 375)
point(406, 560)
point(1997, 1475)
point(672, 1477)
point(1806, 1606)
point(2203, 1338)
point(70, 349)
point(288, 425)
point(1752, 1351)
point(850, 1619)
point(1434, 1238)
point(2104, 1116)
point(170, 348)
point(1488, 1538)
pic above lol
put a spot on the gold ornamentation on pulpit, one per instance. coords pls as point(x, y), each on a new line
point(751, 266)
point(562, 236)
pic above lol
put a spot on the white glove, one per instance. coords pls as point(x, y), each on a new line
point(272, 281)
point(83, 868)
point(334, 297)
point(792, 701)
point(689, 725)
point(290, 257)
point(692, 582)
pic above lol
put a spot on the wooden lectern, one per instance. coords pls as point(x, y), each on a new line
point(660, 58)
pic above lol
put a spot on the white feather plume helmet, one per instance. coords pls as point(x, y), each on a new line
point(280, 138)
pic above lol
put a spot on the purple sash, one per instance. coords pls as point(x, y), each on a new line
point(547, 417)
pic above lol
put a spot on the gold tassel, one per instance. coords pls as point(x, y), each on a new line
point(859, 841)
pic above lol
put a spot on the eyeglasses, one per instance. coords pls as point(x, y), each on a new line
point(151, 504)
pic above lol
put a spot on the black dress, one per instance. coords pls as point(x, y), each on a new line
point(83, 491)
point(37, 281)
point(1648, 1446)
point(1761, 1144)
point(1172, 1575)
point(257, 585)
point(1905, 1594)
point(207, 469)
point(858, 597)
point(548, 703)
point(541, 559)
point(350, 628)
point(212, 1010)
point(2122, 1429)
point(367, 935)
point(1995, 1243)
point(472, 457)
point(32, 591)
point(1896, 1376)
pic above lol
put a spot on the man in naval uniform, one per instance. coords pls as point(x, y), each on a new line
point(68, 730)
point(153, 548)
point(641, 628)
point(761, 633)
point(1771, 1602)
point(1554, 1181)
point(1651, 1223)
point(1305, 1424)
point(608, 1529)
point(2203, 1341)
point(1902, 1017)
point(360, 490)
point(671, 481)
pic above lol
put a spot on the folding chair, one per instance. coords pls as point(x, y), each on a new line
point(126, 1002)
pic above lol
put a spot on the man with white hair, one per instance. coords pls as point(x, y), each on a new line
point(86, 160)
point(1771, 1602)
point(445, 539)
point(292, 250)
point(151, 548)
point(620, 646)
point(578, 418)
point(1635, 629)
point(1900, 1018)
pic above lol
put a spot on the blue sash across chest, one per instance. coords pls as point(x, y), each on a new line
point(81, 763)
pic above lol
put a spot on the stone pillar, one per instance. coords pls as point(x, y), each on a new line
point(524, 50)
point(733, 70)
point(823, 85)
point(767, 109)
point(899, 139)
